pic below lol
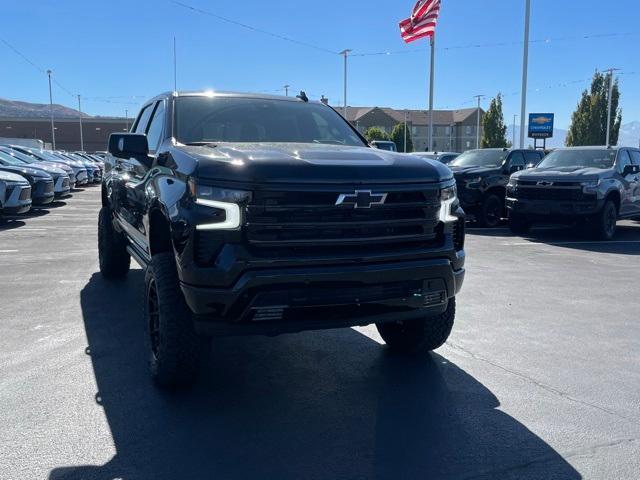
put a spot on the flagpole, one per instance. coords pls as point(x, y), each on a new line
point(431, 76)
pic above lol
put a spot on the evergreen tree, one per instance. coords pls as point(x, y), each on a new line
point(494, 129)
point(589, 121)
point(397, 136)
point(375, 133)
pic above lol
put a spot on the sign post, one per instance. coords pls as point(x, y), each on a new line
point(540, 126)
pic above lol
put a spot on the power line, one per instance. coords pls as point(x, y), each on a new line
point(252, 28)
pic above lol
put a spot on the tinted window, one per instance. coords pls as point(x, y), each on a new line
point(596, 158)
point(155, 128)
point(623, 160)
point(532, 158)
point(635, 157)
point(517, 159)
point(143, 119)
point(480, 158)
point(232, 119)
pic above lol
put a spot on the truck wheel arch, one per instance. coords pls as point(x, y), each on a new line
point(614, 195)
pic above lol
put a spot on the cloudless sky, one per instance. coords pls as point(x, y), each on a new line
point(117, 53)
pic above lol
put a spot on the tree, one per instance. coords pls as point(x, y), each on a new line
point(494, 129)
point(375, 133)
point(589, 121)
point(397, 136)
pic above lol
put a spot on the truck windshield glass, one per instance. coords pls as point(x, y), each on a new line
point(230, 119)
point(579, 158)
point(480, 158)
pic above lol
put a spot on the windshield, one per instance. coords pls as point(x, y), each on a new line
point(596, 158)
point(18, 155)
point(480, 158)
point(7, 159)
point(221, 119)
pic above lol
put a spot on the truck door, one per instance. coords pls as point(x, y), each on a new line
point(629, 183)
point(128, 173)
point(635, 159)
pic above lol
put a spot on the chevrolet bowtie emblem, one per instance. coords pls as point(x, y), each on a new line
point(361, 199)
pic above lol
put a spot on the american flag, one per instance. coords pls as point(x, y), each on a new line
point(422, 22)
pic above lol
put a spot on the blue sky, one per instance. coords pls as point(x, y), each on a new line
point(111, 51)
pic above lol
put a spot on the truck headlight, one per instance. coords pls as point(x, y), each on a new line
point(590, 184)
point(227, 202)
point(448, 196)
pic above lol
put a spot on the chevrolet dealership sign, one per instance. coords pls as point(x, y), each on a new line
point(540, 125)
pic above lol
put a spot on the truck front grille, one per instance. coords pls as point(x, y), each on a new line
point(547, 193)
point(309, 221)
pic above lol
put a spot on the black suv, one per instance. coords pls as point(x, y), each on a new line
point(595, 185)
point(258, 214)
point(482, 177)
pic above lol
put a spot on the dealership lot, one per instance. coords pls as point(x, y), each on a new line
point(540, 377)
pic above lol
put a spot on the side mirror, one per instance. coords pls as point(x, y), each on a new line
point(515, 168)
point(128, 145)
point(630, 170)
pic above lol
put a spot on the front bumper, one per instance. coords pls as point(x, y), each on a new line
point(551, 210)
point(62, 186)
point(295, 299)
point(43, 192)
point(18, 200)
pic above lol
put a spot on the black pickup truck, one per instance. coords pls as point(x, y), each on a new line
point(482, 177)
point(595, 186)
point(261, 214)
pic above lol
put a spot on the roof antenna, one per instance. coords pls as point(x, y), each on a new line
point(302, 96)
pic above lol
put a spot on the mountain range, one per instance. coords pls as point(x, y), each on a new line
point(17, 109)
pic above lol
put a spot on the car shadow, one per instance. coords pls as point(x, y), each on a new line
point(9, 223)
point(320, 405)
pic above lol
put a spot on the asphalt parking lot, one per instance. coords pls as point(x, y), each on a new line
point(539, 380)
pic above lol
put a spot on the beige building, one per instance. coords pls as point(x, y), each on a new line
point(453, 130)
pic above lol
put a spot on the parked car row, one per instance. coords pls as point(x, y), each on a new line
point(593, 186)
point(33, 177)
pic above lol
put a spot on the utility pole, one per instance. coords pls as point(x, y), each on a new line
point(126, 118)
point(286, 90)
point(80, 118)
point(525, 69)
point(175, 66)
point(611, 70)
point(513, 143)
point(53, 127)
point(479, 97)
point(432, 68)
point(405, 131)
point(345, 53)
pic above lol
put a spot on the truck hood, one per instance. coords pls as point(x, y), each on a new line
point(562, 174)
point(463, 172)
point(311, 163)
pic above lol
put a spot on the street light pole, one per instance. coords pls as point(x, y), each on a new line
point(53, 128)
point(479, 97)
point(525, 69)
point(345, 53)
point(286, 90)
point(611, 70)
point(80, 118)
point(126, 118)
point(513, 143)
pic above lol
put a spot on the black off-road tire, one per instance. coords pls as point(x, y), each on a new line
point(491, 211)
point(416, 336)
point(175, 350)
point(519, 224)
point(603, 224)
point(112, 248)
